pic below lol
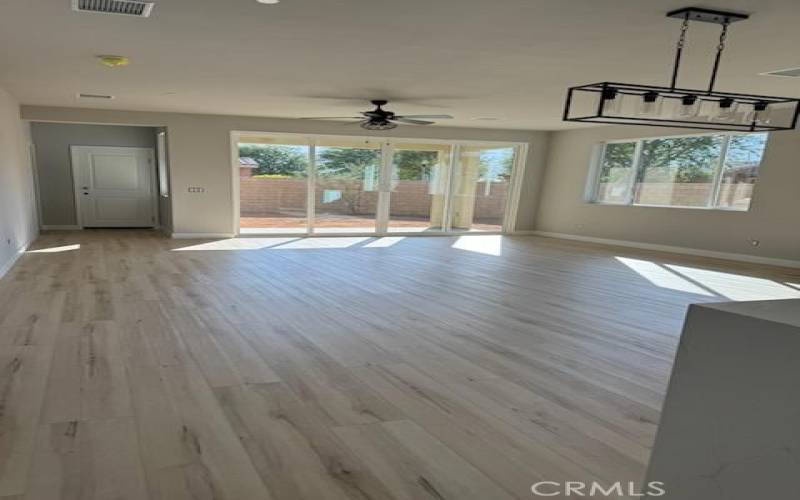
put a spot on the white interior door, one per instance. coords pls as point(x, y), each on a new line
point(114, 186)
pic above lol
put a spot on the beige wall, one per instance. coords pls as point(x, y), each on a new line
point(551, 201)
point(54, 165)
point(18, 223)
point(772, 219)
point(199, 150)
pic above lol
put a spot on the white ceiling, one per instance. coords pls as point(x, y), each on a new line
point(506, 59)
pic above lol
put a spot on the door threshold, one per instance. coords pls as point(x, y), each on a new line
point(372, 235)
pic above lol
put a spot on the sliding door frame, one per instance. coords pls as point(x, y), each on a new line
point(384, 188)
point(311, 186)
point(384, 183)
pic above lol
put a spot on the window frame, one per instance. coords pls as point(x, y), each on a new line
point(510, 209)
point(161, 165)
point(596, 167)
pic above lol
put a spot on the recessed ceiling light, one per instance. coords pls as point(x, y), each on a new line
point(268, 2)
point(113, 61)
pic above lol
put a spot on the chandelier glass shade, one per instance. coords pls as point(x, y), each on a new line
point(672, 106)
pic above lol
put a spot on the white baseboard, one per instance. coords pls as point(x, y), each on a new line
point(57, 227)
point(5, 268)
point(200, 236)
point(673, 249)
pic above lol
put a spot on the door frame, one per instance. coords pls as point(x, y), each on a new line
point(521, 150)
point(76, 190)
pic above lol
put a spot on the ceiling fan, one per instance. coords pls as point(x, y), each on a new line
point(380, 119)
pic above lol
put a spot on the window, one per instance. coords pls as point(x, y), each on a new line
point(346, 181)
point(480, 179)
point(273, 185)
point(323, 184)
point(163, 177)
point(418, 187)
point(699, 171)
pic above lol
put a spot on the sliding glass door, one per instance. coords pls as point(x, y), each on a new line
point(273, 184)
point(481, 184)
point(419, 178)
point(346, 185)
point(325, 184)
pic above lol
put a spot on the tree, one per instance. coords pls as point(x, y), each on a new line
point(617, 160)
point(414, 165)
point(496, 164)
point(347, 163)
point(277, 160)
point(680, 159)
point(352, 167)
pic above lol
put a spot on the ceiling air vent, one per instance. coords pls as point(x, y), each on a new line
point(95, 96)
point(791, 72)
point(122, 7)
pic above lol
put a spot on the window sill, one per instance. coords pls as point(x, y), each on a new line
point(679, 207)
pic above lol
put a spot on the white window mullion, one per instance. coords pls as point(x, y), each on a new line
point(455, 154)
point(311, 187)
point(512, 201)
point(592, 191)
point(636, 172)
point(716, 185)
point(384, 189)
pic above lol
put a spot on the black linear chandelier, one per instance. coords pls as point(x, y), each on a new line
point(633, 104)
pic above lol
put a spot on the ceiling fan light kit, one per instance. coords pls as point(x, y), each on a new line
point(381, 119)
point(672, 106)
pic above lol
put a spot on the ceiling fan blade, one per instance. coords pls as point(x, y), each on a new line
point(432, 117)
point(402, 119)
point(331, 118)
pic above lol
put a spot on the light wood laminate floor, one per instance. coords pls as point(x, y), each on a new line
point(133, 366)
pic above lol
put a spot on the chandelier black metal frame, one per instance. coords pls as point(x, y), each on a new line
point(672, 106)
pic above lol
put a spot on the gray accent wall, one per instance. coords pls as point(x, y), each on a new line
point(53, 164)
point(772, 219)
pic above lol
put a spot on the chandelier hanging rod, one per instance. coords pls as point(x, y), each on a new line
point(679, 51)
point(707, 16)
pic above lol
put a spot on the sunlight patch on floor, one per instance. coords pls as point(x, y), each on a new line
point(322, 243)
point(335, 230)
point(237, 244)
point(384, 242)
point(662, 277)
point(490, 244)
point(63, 248)
point(736, 286)
point(277, 230)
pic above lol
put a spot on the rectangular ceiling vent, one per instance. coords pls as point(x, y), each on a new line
point(121, 7)
point(95, 96)
point(791, 72)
